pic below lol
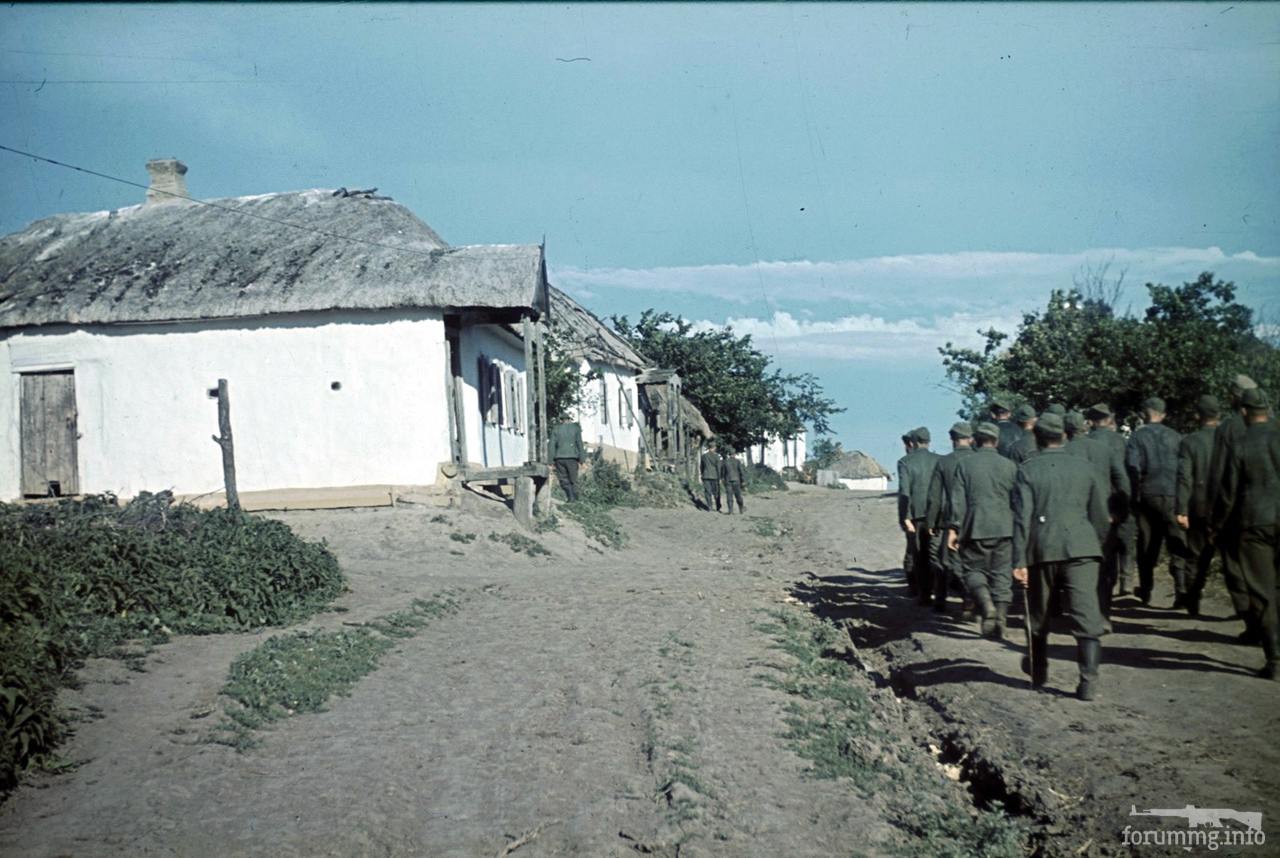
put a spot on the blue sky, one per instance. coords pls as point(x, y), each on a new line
point(852, 185)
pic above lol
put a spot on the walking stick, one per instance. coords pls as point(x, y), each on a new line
point(1031, 646)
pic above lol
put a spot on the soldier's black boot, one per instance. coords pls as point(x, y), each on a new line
point(1089, 654)
point(1252, 634)
point(1037, 664)
point(1271, 650)
point(997, 627)
point(986, 610)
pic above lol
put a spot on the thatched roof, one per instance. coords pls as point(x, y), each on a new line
point(693, 418)
point(588, 337)
point(182, 260)
point(857, 465)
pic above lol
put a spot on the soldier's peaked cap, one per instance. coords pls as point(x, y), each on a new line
point(1208, 406)
point(1057, 408)
point(961, 430)
point(1073, 421)
point(1024, 413)
point(1050, 425)
point(1253, 399)
point(1154, 403)
point(1243, 382)
point(999, 403)
point(920, 435)
point(1099, 411)
point(987, 430)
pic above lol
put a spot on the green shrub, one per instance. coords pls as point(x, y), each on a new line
point(596, 523)
point(605, 484)
point(762, 478)
point(83, 576)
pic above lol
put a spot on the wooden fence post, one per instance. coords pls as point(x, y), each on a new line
point(223, 440)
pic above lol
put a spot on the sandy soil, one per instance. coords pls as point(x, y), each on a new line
point(555, 699)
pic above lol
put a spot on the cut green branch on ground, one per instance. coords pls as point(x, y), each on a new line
point(832, 722)
point(299, 672)
point(521, 544)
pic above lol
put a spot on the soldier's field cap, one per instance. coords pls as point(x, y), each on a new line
point(908, 437)
point(961, 430)
point(1254, 399)
point(987, 430)
point(999, 403)
point(1073, 421)
point(1024, 413)
point(920, 435)
point(1057, 408)
point(1243, 382)
point(1154, 403)
point(1050, 425)
point(1208, 406)
point(1100, 411)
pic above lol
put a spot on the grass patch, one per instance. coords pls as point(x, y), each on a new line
point(521, 544)
point(90, 577)
point(762, 478)
point(596, 522)
point(464, 538)
point(547, 524)
point(832, 724)
point(300, 671)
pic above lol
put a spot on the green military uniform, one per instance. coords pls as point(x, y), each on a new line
point(566, 451)
point(915, 470)
point(1115, 559)
point(1249, 494)
point(734, 474)
point(981, 514)
point(1151, 457)
point(940, 486)
point(1059, 517)
point(709, 466)
point(1025, 447)
point(1010, 434)
point(1229, 433)
point(1195, 454)
point(907, 555)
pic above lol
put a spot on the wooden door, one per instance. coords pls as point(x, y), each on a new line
point(48, 434)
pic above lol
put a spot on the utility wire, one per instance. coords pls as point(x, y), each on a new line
point(232, 209)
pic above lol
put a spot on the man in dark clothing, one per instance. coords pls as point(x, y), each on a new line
point(1192, 501)
point(567, 452)
point(1227, 537)
point(1025, 447)
point(1151, 457)
point(914, 473)
point(734, 474)
point(907, 555)
point(1009, 433)
point(980, 527)
point(1059, 516)
point(1115, 560)
point(710, 468)
point(1110, 468)
point(940, 486)
point(1249, 491)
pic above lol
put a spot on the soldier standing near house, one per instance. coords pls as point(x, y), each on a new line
point(908, 444)
point(1151, 458)
point(1059, 517)
point(1009, 434)
point(710, 469)
point(1025, 447)
point(567, 452)
point(1249, 494)
point(1227, 534)
point(1191, 504)
point(937, 510)
point(734, 474)
point(980, 527)
point(1115, 560)
point(914, 473)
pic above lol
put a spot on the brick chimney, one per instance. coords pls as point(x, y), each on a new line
point(166, 180)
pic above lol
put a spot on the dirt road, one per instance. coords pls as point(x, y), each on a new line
point(600, 702)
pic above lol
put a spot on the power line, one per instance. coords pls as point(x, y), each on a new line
point(231, 209)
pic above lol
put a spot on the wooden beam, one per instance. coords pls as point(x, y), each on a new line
point(522, 504)
point(531, 434)
point(223, 440)
point(455, 448)
point(543, 428)
point(493, 475)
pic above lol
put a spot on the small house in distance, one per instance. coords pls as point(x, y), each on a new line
point(362, 352)
point(780, 453)
point(855, 470)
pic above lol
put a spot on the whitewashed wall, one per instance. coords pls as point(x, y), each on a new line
point(603, 415)
point(145, 416)
point(490, 444)
point(782, 453)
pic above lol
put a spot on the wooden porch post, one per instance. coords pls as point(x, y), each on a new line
point(223, 440)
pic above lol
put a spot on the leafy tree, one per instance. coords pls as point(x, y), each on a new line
point(729, 380)
point(565, 379)
point(824, 452)
point(1191, 340)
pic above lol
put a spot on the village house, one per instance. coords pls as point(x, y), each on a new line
point(855, 470)
point(780, 453)
point(361, 352)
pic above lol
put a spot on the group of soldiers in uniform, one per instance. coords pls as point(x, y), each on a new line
point(1055, 502)
point(727, 470)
